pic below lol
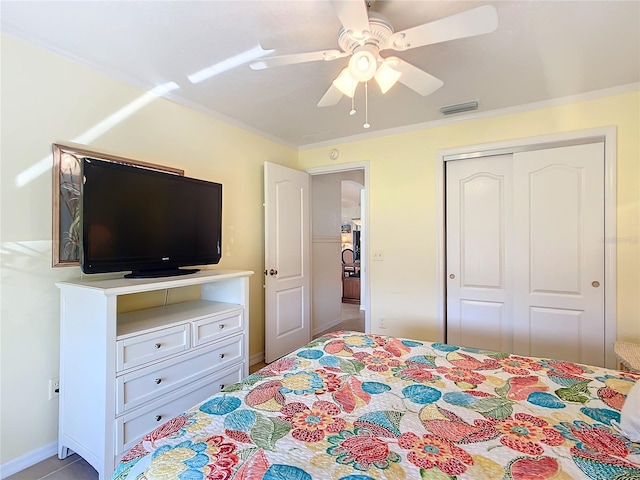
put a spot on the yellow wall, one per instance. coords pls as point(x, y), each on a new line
point(46, 99)
point(403, 197)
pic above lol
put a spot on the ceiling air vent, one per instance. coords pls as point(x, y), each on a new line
point(459, 107)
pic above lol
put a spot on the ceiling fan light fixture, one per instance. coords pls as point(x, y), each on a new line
point(346, 83)
point(386, 77)
point(364, 63)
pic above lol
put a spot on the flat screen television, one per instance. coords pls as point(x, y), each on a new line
point(147, 221)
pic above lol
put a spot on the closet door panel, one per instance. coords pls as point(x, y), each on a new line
point(559, 230)
point(525, 253)
point(478, 253)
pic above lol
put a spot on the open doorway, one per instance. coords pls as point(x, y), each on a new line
point(338, 224)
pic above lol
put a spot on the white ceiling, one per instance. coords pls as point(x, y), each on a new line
point(541, 50)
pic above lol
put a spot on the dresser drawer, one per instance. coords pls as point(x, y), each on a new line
point(132, 426)
point(217, 326)
point(152, 346)
point(144, 385)
point(228, 351)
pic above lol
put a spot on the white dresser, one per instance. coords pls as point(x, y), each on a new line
point(122, 375)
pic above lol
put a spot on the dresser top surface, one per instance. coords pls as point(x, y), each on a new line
point(115, 284)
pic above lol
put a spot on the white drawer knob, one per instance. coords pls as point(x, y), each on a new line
point(158, 418)
point(157, 345)
point(158, 380)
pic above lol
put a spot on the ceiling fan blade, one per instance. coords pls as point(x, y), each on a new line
point(280, 60)
point(476, 21)
point(353, 16)
point(414, 78)
point(331, 97)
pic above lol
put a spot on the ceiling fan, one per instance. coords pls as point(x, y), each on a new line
point(365, 34)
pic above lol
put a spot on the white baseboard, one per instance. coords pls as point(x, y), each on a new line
point(326, 326)
point(257, 358)
point(28, 460)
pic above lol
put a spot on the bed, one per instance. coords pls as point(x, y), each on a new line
point(351, 406)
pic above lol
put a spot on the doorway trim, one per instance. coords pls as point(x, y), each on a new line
point(364, 259)
point(578, 137)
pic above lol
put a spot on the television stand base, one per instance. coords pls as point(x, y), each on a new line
point(170, 272)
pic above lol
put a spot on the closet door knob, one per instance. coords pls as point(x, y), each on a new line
point(452, 276)
point(595, 284)
point(273, 272)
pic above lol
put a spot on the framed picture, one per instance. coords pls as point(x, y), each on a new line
point(67, 178)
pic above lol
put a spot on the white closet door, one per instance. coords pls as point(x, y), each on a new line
point(559, 231)
point(525, 253)
point(479, 253)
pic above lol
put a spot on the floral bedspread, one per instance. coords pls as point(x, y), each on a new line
point(350, 406)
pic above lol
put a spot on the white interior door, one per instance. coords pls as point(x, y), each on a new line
point(559, 288)
point(525, 255)
point(287, 260)
point(479, 253)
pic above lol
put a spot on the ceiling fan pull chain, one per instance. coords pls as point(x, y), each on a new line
point(366, 105)
point(353, 99)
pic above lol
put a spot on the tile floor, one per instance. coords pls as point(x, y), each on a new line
point(76, 468)
point(71, 468)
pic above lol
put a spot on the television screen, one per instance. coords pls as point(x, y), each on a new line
point(147, 221)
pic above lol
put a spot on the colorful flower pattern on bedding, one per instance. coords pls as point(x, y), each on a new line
point(350, 406)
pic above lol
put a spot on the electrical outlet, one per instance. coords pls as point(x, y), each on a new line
point(54, 388)
point(378, 255)
point(382, 323)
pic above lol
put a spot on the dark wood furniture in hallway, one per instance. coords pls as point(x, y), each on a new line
point(351, 290)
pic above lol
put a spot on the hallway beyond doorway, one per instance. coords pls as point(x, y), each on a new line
point(352, 319)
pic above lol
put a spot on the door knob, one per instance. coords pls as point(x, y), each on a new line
point(273, 272)
point(595, 284)
point(452, 276)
